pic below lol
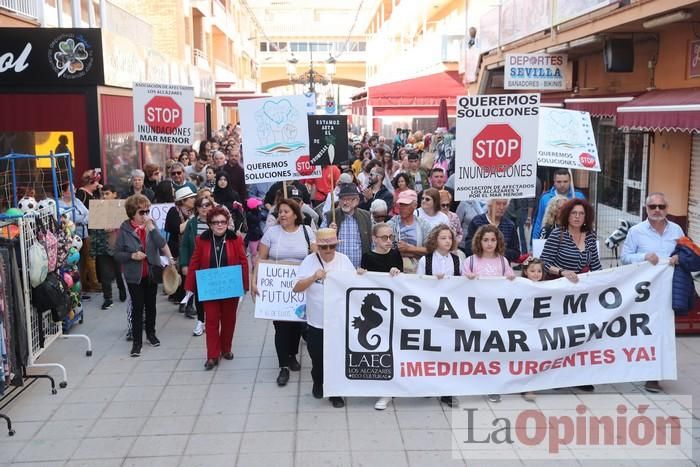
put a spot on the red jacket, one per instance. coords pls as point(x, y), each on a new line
point(201, 258)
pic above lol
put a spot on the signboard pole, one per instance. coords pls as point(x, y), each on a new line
point(284, 188)
point(332, 196)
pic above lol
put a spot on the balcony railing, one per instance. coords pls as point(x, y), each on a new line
point(200, 59)
point(29, 8)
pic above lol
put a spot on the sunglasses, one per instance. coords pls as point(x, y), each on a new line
point(179, 172)
point(218, 223)
point(326, 247)
point(446, 205)
point(384, 238)
point(427, 199)
point(143, 212)
point(656, 206)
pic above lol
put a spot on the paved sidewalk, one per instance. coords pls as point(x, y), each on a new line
point(163, 409)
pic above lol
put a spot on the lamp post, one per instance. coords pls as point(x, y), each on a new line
point(311, 77)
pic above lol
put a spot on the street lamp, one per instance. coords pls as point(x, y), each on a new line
point(310, 77)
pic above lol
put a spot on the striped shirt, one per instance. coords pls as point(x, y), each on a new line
point(561, 251)
point(350, 242)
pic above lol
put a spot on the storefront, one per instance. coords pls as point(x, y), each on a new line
point(75, 85)
point(48, 87)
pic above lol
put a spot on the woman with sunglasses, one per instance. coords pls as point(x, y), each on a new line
point(195, 227)
point(455, 224)
point(138, 248)
point(312, 273)
point(291, 241)
point(218, 247)
point(429, 209)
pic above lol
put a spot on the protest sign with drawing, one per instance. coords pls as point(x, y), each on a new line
point(566, 139)
point(425, 337)
point(276, 299)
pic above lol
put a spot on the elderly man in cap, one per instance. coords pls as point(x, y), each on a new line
point(410, 231)
point(352, 224)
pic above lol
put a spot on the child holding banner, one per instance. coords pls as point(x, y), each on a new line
point(533, 269)
point(441, 262)
point(488, 247)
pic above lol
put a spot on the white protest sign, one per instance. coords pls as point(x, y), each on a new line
point(566, 139)
point(419, 336)
point(276, 135)
point(276, 299)
point(164, 113)
point(535, 71)
point(496, 147)
point(159, 213)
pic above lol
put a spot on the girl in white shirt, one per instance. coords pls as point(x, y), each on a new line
point(440, 261)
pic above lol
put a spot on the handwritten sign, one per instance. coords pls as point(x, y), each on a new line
point(219, 283)
point(276, 299)
point(328, 139)
point(159, 212)
point(566, 139)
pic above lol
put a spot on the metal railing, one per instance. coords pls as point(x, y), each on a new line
point(29, 8)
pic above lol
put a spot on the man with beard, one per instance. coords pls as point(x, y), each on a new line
point(353, 225)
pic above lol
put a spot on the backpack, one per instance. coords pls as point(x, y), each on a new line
point(52, 294)
point(38, 264)
point(429, 264)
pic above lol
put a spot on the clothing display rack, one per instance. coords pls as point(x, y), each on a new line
point(24, 332)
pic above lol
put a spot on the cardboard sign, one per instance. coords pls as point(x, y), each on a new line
point(535, 71)
point(328, 139)
point(276, 300)
point(219, 283)
point(496, 146)
point(164, 114)
point(566, 139)
point(110, 213)
point(106, 213)
point(276, 132)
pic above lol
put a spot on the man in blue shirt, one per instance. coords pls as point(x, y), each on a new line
point(651, 240)
point(562, 186)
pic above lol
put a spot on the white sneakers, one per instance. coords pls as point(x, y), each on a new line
point(198, 328)
point(382, 403)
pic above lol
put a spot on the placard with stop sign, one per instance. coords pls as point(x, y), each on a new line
point(164, 114)
point(496, 146)
point(566, 139)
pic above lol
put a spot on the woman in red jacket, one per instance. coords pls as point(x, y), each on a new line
point(215, 248)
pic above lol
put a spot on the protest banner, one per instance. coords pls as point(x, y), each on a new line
point(420, 336)
point(328, 139)
point(276, 299)
point(164, 113)
point(219, 283)
point(496, 148)
point(545, 72)
point(566, 139)
point(276, 132)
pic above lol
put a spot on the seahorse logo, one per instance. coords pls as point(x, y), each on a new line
point(369, 320)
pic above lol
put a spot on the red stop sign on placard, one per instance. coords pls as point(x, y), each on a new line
point(304, 167)
point(163, 114)
point(496, 147)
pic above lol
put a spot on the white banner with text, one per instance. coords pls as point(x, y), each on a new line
point(419, 336)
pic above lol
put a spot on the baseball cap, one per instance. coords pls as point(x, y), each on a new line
point(407, 197)
point(294, 193)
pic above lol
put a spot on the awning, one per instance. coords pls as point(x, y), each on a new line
point(410, 111)
point(422, 91)
point(600, 106)
point(662, 110)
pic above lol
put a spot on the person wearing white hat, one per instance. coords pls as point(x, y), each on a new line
point(175, 224)
point(312, 273)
